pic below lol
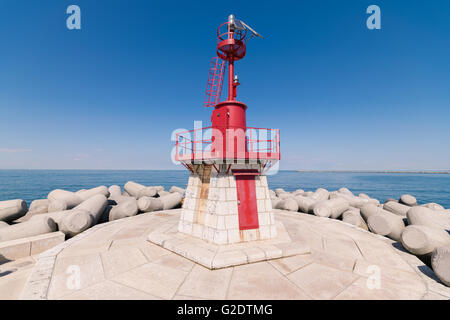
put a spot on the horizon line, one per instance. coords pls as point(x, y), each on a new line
point(424, 171)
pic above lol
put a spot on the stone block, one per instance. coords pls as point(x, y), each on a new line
point(268, 205)
point(223, 182)
point(221, 223)
point(264, 218)
point(14, 249)
point(229, 258)
point(232, 221)
point(223, 194)
point(261, 205)
point(197, 230)
point(46, 241)
point(271, 251)
point(24, 247)
point(263, 180)
point(214, 193)
point(211, 220)
point(273, 231)
point(232, 207)
point(221, 237)
point(231, 194)
point(264, 232)
point(232, 182)
point(260, 193)
point(188, 215)
point(250, 235)
point(233, 236)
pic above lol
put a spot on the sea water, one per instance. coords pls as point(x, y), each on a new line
point(36, 184)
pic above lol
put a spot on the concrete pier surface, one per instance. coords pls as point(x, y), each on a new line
point(115, 260)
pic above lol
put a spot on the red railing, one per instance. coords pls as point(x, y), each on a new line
point(197, 144)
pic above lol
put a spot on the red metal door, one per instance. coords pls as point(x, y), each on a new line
point(246, 197)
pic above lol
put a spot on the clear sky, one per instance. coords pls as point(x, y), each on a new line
point(108, 96)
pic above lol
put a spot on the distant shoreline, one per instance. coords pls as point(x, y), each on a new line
point(378, 171)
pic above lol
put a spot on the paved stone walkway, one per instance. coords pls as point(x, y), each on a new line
point(115, 261)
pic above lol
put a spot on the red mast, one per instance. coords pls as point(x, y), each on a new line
point(231, 139)
point(228, 118)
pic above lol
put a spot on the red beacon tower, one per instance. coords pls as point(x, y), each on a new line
point(227, 197)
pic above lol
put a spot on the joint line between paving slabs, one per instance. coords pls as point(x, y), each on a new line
point(357, 278)
point(285, 276)
point(229, 283)
point(184, 280)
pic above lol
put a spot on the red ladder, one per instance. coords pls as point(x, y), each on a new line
point(215, 82)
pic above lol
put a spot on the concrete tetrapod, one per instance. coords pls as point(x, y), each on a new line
point(3, 224)
point(11, 210)
point(368, 210)
point(320, 194)
point(57, 205)
point(408, 199)
point(39, 206)
point(149, 204)
point(346, 191)
point(331, 208)
point(114, 191)
point(30, 228)
point(422, 240)
point(57, 216)
point(83, 216)
point(353, 216)
point(386, 224)
point(396, 208)
point(163, 193)
point(305, 204)
point(138, 190)
point(86, 194)
point(124, 209)
point(63, 200)
point(176, 189)
point(428, 217)
point(123, 199)
point(275, 202)
point(433, 206)
point(382, 222)
point(440, 262)
point(353, 201)
point(171, 201)
point(286, 195)
point(288, 204)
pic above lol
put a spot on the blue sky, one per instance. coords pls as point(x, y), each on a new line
point(108, 96)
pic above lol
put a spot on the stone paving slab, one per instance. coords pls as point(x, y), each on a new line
point(332, 270)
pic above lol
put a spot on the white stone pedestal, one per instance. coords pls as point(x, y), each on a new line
point(210, 208)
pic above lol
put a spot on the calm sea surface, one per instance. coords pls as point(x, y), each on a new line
point(36, 184)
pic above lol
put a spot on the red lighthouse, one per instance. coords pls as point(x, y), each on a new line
point(227, 197)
